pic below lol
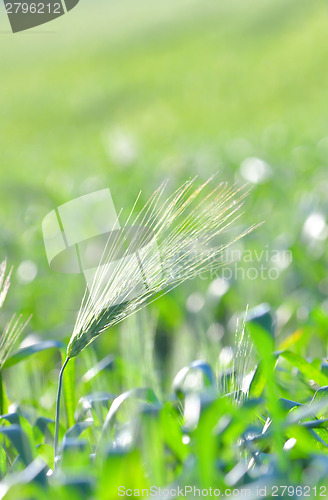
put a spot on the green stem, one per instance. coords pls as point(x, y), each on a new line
point(1, 395)
point(60, 383)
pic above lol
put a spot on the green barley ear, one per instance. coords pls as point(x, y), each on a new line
point(169, 241)
point(12, 331)
point(176, 239)
point(4, 281)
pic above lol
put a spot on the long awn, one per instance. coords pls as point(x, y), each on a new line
point(168, 242)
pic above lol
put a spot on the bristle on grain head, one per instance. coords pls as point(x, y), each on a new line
point(169, 241)
point(4, 281)
point(13, 330)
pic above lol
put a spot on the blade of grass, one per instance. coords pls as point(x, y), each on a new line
point(26, 352)
point(264, 343)
point(69, 393)
point(306, 368)
point(2, 411)
point(60, 383)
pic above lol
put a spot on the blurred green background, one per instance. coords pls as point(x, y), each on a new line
point(124, 94)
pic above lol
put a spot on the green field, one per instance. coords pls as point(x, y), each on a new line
point(124, 95)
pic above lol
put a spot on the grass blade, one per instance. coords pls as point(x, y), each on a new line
point(69, 393)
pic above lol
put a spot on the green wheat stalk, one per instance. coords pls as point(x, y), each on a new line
point(185, 227)
point(12, 330)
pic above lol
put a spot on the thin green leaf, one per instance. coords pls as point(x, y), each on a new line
point(306, 368)
point(69, 392)
point(26, 352)
point(19, 440)
point(262, 316)
point(78, 428)
point(104, 364)
point(147, 395)
point(2, 388)
point(201, 367)
point(258, 382)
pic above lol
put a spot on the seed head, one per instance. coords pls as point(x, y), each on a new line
point(168, 242)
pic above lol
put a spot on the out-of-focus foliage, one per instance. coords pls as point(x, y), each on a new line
point(194, 436)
